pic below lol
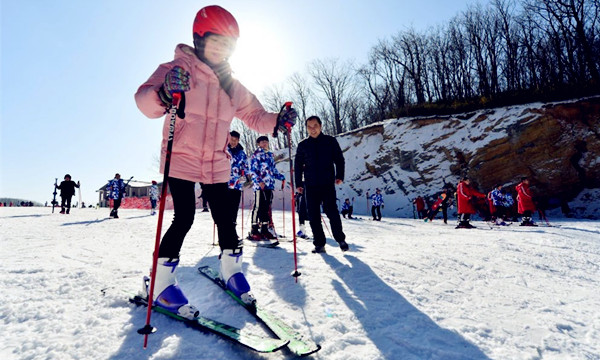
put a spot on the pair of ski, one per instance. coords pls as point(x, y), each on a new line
point(287, 336)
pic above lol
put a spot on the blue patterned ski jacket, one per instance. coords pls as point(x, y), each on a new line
point(239, 167)
point(262, 168)
point(376, 199)
point(115, 189)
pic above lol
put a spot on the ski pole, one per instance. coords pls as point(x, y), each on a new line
point(296, 273)
point(242, 211)
point(148, 329)
point(326, 227)
point(283, 207)
point(214, 224)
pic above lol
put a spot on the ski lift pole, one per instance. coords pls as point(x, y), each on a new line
point(148, 329)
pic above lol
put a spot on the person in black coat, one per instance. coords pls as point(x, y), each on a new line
point(319, 167)
point(67, 190)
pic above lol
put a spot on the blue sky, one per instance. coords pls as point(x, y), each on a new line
point(70, 69)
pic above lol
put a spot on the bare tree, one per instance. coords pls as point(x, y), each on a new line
point(335, 80)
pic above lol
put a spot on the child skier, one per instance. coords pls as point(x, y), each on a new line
point(264, 173)
point(202, 75)
point(302, 214)
point(376, 205)
point(239, 167)
point(153, 195)
point(347, 208)
point(464, 196)
point(525, 204)
point(116, 191)
point(67, 190)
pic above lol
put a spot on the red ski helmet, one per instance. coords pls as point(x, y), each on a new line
point(216, 20)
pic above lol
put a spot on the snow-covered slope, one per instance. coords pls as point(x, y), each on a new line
point(405, 290)
point(556, 144)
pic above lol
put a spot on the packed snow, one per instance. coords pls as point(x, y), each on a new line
point(406, 289)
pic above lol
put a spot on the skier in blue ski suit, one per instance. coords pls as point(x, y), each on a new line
point(153, 195)
point(264, 173)
point(239, 169)
point(116, 191)
point(376, 205)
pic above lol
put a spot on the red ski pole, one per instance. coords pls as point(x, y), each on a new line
point(296, 273)
point(283, 206)
point(148, 329)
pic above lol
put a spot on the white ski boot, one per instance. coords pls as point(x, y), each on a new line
point(167, 293)
point(232, 276)
point(302, 232)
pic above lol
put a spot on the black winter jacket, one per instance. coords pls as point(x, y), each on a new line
point(67, 188)
point(320, 160)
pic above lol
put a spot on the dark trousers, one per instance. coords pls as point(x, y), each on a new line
point(65, 203)
point(301, 208)
point(233, 197)
point(348, 212)
point(184, 203)
point(315, 196)
point(116, 204)
point(422, 213)
point(376, 212)
point(262, 208)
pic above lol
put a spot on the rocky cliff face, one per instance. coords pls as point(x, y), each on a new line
point(556, 145)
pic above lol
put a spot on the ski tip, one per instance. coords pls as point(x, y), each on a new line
point(146, 330)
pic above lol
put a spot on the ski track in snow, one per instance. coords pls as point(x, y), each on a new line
point(405, 290)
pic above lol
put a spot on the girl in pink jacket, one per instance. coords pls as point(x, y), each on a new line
point(211, 98)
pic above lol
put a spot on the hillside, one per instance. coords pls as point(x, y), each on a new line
point(557, 145)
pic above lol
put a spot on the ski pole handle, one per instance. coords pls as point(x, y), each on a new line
point(286, 106)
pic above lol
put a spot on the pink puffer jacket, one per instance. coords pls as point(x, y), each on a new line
point(200, 140)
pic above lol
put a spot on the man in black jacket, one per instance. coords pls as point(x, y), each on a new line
point(67, 190)
point(319, 158)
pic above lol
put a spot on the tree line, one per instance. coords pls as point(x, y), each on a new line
point(501, 53)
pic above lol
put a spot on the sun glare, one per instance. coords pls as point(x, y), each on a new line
point(259, 60)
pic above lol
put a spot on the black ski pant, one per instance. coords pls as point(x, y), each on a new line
point(116, 204)
point(315, 196)
point(184, 203)
point(301, 208)
point(348, 212)
point(233, 197)
point(261, 212)
point(376, 212)
point(65, 203)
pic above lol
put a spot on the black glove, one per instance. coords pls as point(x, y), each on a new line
point(286, 119)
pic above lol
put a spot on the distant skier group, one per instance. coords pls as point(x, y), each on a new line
point(499, 203)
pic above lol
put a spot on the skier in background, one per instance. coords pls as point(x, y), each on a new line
point(264, 173)
point(67, 190)
point(153, 195)
point(319, 167)
point(203, 76)
point(239, 168)
point(497, 199)
point(348, 208)
point(420, 204)
point(116, 191)
point(465, 194)
point(525, 203)
point(441, 203)
point(302, 214)
point(377, 204)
